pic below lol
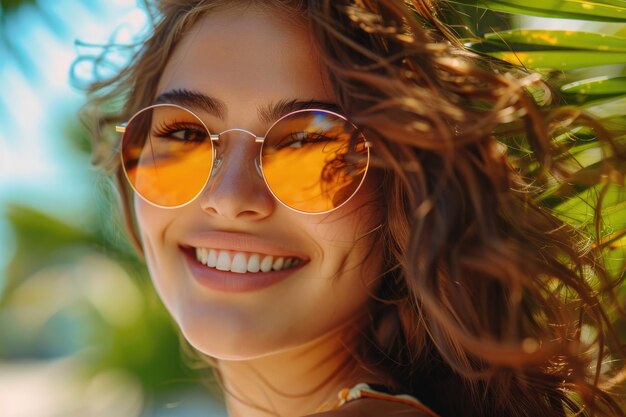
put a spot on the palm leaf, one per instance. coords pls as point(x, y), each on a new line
point(553, 49)
point(562, 60)
point(602, 88)
point(601, 10)
point(558, 39)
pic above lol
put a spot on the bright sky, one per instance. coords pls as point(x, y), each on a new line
point(37, 166)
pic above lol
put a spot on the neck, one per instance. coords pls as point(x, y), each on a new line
point(293, 382)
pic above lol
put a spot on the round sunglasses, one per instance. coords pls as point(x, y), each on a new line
point(313, 161)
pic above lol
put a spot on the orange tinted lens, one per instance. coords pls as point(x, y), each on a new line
point(314, 161)
point(167, 155)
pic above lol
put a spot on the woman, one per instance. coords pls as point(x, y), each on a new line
point(321, 204)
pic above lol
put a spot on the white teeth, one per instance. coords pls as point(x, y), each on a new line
point(266, 263)
point(278, 264)
point(223, 261)
point(242, 262)
point(239, 263)
point(211, 258)
point(254, 263)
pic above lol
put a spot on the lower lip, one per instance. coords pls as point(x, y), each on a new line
point(232, 281)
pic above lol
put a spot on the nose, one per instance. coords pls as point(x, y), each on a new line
point(235, 189)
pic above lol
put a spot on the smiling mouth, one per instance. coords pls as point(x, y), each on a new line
point(244, 262)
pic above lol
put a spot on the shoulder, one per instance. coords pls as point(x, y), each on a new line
point(370, 407)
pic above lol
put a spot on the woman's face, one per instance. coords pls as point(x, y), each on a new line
point(248, 61)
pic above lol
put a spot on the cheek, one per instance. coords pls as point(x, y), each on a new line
point(357, 233)
point(159, 256)
point(151, 224)
point(353, 225)
point(347, 241)
point(337, 290)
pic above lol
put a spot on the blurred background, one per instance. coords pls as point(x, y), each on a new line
point(81, 330)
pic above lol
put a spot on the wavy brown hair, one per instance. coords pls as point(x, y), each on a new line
point(490, 303)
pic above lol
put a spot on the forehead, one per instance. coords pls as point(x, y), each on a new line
point(246, 58)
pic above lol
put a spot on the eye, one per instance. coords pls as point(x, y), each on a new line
point(300, 139)
point(182, 132)
point(188, 135)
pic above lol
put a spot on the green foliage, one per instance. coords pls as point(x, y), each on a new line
point(42, 238)
point(592, 89)
point(602, 10)
point(553, 49)
point(146, 344)
point(559, 40)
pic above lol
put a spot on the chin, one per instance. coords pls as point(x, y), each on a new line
point(226, 340)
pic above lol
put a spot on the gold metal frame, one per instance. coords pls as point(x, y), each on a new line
point(121, 128)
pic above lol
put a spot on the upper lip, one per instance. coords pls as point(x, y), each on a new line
point(239, 242)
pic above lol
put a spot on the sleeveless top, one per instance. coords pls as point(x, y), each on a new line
point(363, 390)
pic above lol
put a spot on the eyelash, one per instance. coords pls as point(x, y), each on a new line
point(309, 137)
point(167, 131)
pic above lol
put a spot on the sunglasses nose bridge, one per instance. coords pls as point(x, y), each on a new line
point(247, 132)
point(219, 156)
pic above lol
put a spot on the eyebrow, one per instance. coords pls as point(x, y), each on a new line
point(268, 113)
point(193, 100)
